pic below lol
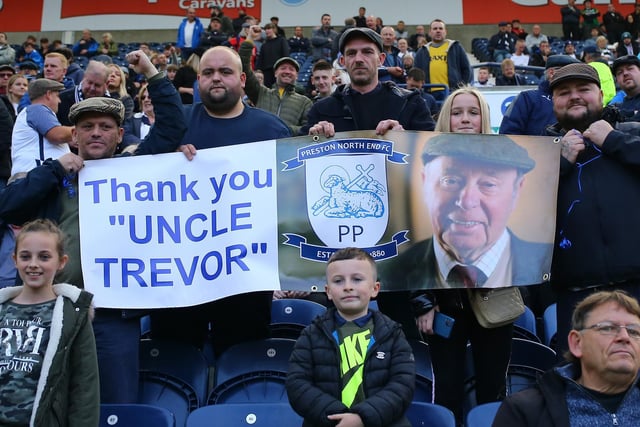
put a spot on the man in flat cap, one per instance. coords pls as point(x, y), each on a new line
point(471, 185)
point(532, 110)
point(597, 228)
point(50, 191)
point(626, 70)
point(366, 103)
point(37, 133)
point(281, 99)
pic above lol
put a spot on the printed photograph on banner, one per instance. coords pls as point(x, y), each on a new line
point(481, 201)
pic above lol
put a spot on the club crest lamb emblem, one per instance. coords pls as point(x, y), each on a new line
point(347, 197)
point(361, 197)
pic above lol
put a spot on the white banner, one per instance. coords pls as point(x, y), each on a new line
point(160, 231)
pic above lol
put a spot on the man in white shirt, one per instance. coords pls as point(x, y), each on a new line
point(189, 34)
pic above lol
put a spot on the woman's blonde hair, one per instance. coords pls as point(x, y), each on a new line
point(122, 89)
point(444, 118)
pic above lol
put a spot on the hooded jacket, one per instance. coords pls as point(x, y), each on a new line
point(68, 390)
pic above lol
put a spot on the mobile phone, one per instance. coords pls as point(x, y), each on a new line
point(442, 324)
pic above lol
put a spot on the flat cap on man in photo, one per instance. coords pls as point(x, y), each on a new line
point(40, 87)
point(360, 32)
point(99, 105)
point(579, 71)
point(625, 60)
point(494, 149)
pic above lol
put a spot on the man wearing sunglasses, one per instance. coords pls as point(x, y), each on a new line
point(599, 384)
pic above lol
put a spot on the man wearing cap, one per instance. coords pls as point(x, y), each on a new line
point(281, 99)
point(570, 49)
point(29, 69)
point(503, 43)
point(596, 245)
point(226, 26)
point(37, 133)
point(627, 73)
point(627, 46)
point(366, 103)
point(212, 36)
point(6, 71)
point(469, 226)
point(50, 191)
point(443, 60)
point(532, 110)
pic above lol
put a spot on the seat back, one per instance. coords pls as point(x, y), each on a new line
point(177, 359)
point(245, 414)
point(290, 316)
point(270, 354)
point(135, 415)
point(167, 392)
point(424, 373)
point(430, 414)
point(550, 325)
point(482, 415)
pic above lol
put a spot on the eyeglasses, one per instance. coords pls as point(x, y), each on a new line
point(613, 329)
point(6, 75)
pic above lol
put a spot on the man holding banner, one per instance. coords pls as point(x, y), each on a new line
point(365, 103)
point(597, 227)
point(50, 191)
point(222, 119)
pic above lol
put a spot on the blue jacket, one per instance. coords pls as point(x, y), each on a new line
point(458, 67)
point(530, 112)
point(91, 45)
point(313, 380)
point(197, 33)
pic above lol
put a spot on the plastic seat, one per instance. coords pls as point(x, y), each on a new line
point(178, 359)
point(253, 387)
point(550, 325)
point(424, 372)
point(270, 354)
point(482, 415)
point(167, 392)
point(529, 360)
point(135, 415)
point(290, 316)
point(525, 326)
point(430, 414)
point(251, 414)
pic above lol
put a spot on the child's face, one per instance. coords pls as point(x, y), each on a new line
point(483, 75)
point(37, 259)
point(351, 285)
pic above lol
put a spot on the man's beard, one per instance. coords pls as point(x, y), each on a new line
point(580, 123)
point(219, 103)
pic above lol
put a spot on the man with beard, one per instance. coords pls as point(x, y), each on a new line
point(366, 103)
point(222, 119)
point(596, 227)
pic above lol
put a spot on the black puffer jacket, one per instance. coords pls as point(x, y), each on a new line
point(313, 382)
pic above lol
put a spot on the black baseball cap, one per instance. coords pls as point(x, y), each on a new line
point(360, 32)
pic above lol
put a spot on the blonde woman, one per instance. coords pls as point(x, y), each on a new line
point(16, 88)
point(117, 85)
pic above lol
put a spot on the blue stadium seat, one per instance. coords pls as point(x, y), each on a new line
point(167, 392)
point(482, 415)
point(290, 316)
point(430, 414)
point(135, 415)
point(525, 326)
point(178, 359)
point(270, 354)
point(250, 414)
point(550, 325)
point(424, 372)
point(529, 360)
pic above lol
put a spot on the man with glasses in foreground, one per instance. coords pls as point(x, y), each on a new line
point(599, 385)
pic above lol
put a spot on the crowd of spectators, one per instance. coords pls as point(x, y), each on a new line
point(304, 79)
